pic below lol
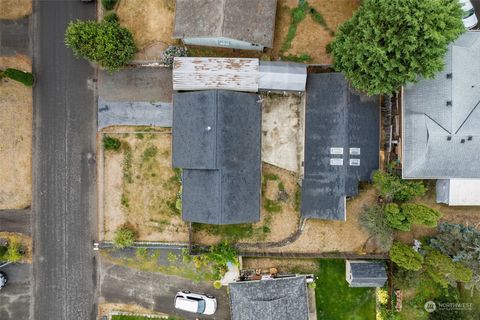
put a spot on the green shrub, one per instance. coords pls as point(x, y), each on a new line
point(111, 143)
point(405, 257)
point(124, 237)
point(14, 252)
point(219, 255)
point(420, 214)
point(396, 218)
point(109, 4)
point(312, 285)
point(108, 44)
point(3, 250)
point(217, 284)
point(111, 17)
point(26, 78)
point(394, 188)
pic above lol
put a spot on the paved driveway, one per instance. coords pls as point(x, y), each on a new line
point(15, 298)
point(15, 221)
point(14, 37)
point(154, 291)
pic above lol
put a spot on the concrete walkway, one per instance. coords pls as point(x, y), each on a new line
point(134, 113)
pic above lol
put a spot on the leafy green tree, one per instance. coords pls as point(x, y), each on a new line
point(405, 257)
point(105, 42)
point(443, 270)
point(124, 237)
point(374, 221)
point(396, 218)
point(393, 188)
point(421, 214)
point(388, 43)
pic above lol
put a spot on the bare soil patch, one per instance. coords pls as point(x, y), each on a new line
point(282, 265)
point(280, 189)
point(15, 9)
point(107, 308)
point(16, 133)
point(320, 236)
point(24, 240)
point(151, 23)
point(141, 188)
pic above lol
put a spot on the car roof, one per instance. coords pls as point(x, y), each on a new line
point(186, 304)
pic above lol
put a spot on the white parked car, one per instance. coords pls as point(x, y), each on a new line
point(3, 280)
point(195, 303)
point(469, 18)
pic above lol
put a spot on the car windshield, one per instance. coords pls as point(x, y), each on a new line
point(468, 13)
point(201, 306)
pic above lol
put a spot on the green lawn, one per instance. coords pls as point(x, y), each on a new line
point(335, 300)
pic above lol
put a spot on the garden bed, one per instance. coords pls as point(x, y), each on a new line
point(141, 188)
point(16, 133)
point(279, 216)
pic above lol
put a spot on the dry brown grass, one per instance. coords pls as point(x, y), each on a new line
point(144, 194)
point(151, 23)
point(14, 9)
point(16, 133)
point(106, 308)
point(24, 240)
point(282, 265)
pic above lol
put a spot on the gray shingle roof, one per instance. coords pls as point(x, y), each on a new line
point(429, 121)
point(368, 274)
point(234, 19)
point(276, 299)
point(216, 141)
point(336, 117)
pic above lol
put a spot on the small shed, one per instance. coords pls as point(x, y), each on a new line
point(236, 24)
point(237, 74)
point(282, 76)
point(366, 273)
point(458, 192)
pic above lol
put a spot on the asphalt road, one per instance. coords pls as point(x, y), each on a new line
point(15, 221)
point(64, 168)
point(15, 299)
point(155, 291)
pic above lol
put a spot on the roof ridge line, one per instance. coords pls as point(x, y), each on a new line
point(220, 218)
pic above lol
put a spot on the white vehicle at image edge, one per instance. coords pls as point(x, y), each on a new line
point(195, 303)
point(3, 280)
point(469, 18)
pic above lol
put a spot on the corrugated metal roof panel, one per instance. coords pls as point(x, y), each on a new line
point(237, 74)
point(282, 76)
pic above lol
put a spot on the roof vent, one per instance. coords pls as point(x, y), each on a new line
point(208, 128)
point(449, 103)
point(449, 138)
point(449, 76)
point(462, 141)
point(470, 138)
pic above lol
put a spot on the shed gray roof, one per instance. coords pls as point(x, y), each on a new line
point(216, 141)
point(275, 299)
point(336, 117)
point(245, 20)
point(432, 130)
point(367, 274)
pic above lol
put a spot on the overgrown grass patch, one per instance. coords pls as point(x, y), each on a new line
point(335, 300)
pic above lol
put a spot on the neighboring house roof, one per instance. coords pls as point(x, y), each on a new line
point(245, 20)
point(238, 74)
point(273, 299)
point(366, 273)
point(341, 145)
point(216, 141)
point(458, 192)
point(282, 76)
point(441, 117)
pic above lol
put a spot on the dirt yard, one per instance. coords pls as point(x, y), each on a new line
point(279, 216)
point(282, 265)
point(16, 133)
point(311, 37)
point(107, 308)
point(14, 9)
point(151, 23)
point(332, 236)
point(282, 130)
point(141, 188)
point(24, 240)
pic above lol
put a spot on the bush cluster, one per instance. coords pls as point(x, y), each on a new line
point(13, 252)
point(402, 217)
point(26, 78)
point(124, 237)
point(111, 143)
point(394, 188)
point(105, 42)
